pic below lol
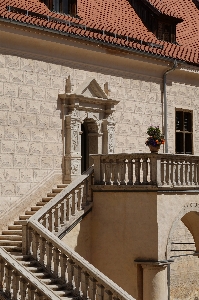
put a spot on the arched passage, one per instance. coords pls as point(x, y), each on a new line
point(183, 242)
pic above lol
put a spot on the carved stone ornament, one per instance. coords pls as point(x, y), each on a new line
point(90, 104)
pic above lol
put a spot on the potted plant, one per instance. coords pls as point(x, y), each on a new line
point(155, 138)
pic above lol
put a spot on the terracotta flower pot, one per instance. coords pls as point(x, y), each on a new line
point(154, 149)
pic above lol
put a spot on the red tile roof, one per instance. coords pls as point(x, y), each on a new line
point(114, 22)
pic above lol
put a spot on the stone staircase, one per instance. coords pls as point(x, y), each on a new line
point(11, 239)
point(36, 265)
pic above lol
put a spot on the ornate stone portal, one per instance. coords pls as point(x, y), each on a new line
point(88, 126)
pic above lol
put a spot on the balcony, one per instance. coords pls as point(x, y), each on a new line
point(146, 171)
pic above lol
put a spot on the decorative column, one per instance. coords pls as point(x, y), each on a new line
point(72, 158)
point(108, 136)
point(155, 285)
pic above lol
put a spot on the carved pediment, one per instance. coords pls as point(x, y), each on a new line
point(91, 89)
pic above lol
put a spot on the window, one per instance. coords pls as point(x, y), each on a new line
point(62, 6)
point(184, 132)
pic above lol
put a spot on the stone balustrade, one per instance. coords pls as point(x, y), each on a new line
point(17, 283)
point(39, 240)
point(159, 170)
point(82, 278)
point(68, 203)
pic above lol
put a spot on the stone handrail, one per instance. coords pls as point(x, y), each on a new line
point(67, 203)
point(16, 282)
point(39, 241)
point(159, 170)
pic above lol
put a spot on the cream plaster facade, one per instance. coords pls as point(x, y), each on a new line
point(34, 70)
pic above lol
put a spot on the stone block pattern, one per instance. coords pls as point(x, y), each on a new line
point(31, 120)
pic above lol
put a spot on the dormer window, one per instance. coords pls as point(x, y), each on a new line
point(68, 7)
point(162, 26)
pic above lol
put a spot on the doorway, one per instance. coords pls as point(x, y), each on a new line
point(89, 143)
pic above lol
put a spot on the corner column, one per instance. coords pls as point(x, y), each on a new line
point(155, 285)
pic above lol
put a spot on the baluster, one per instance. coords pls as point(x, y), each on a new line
point(2, 272)
point(23, 286)
point(74, 201)
point(108, 173)
point(182, 172)
point(177, 172)
point(185, 173)
point(100, 292)
point(89, 192)
point(39, 296)
point(70, 266)
point(171, 182)
point(115, 172)
point(63, 211)
point(8, 276)
point(92, 288)
point(194, 172)
point(69, 205)
point(145, 170)
point(57, 217)
point(30, 239)
point(163, 172)
point(48, 256)
point(108, 295)
point(80, 197)
point(63, 265)
point(167, 171)
point(77, 279)
point(30, 291)
point(84, 284)
point(103, 173)
point(42, 248)
point(15, 285)
point(50, 221)
point(130, 171)
point(197, 171)
point(56, 261)
point(43, 221)
point(35, 243)
point(137, 171)
point(84, 200)
point(122, 172)
point(191, 172)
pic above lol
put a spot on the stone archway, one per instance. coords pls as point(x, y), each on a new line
point(88, 105)
point(183, 242)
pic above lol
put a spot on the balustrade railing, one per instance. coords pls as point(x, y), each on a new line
point(17, 283)
point(68, 203)
point(160, 170)
point(82, 278)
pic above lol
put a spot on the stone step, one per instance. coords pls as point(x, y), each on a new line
point(10, 243)
point(30, 212)
point(62, 186)
point(12, 249)
point(46, 199)
point(11, 237)
point(24, 217)
point(57, 190)
point(35, 208)
point(15, 227)
point(41, 203)
point(12, 232)
point(52, 195)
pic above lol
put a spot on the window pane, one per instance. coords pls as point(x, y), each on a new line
point(179, 142)
point(188, 143)
point(187, 121)
point(179, 120)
